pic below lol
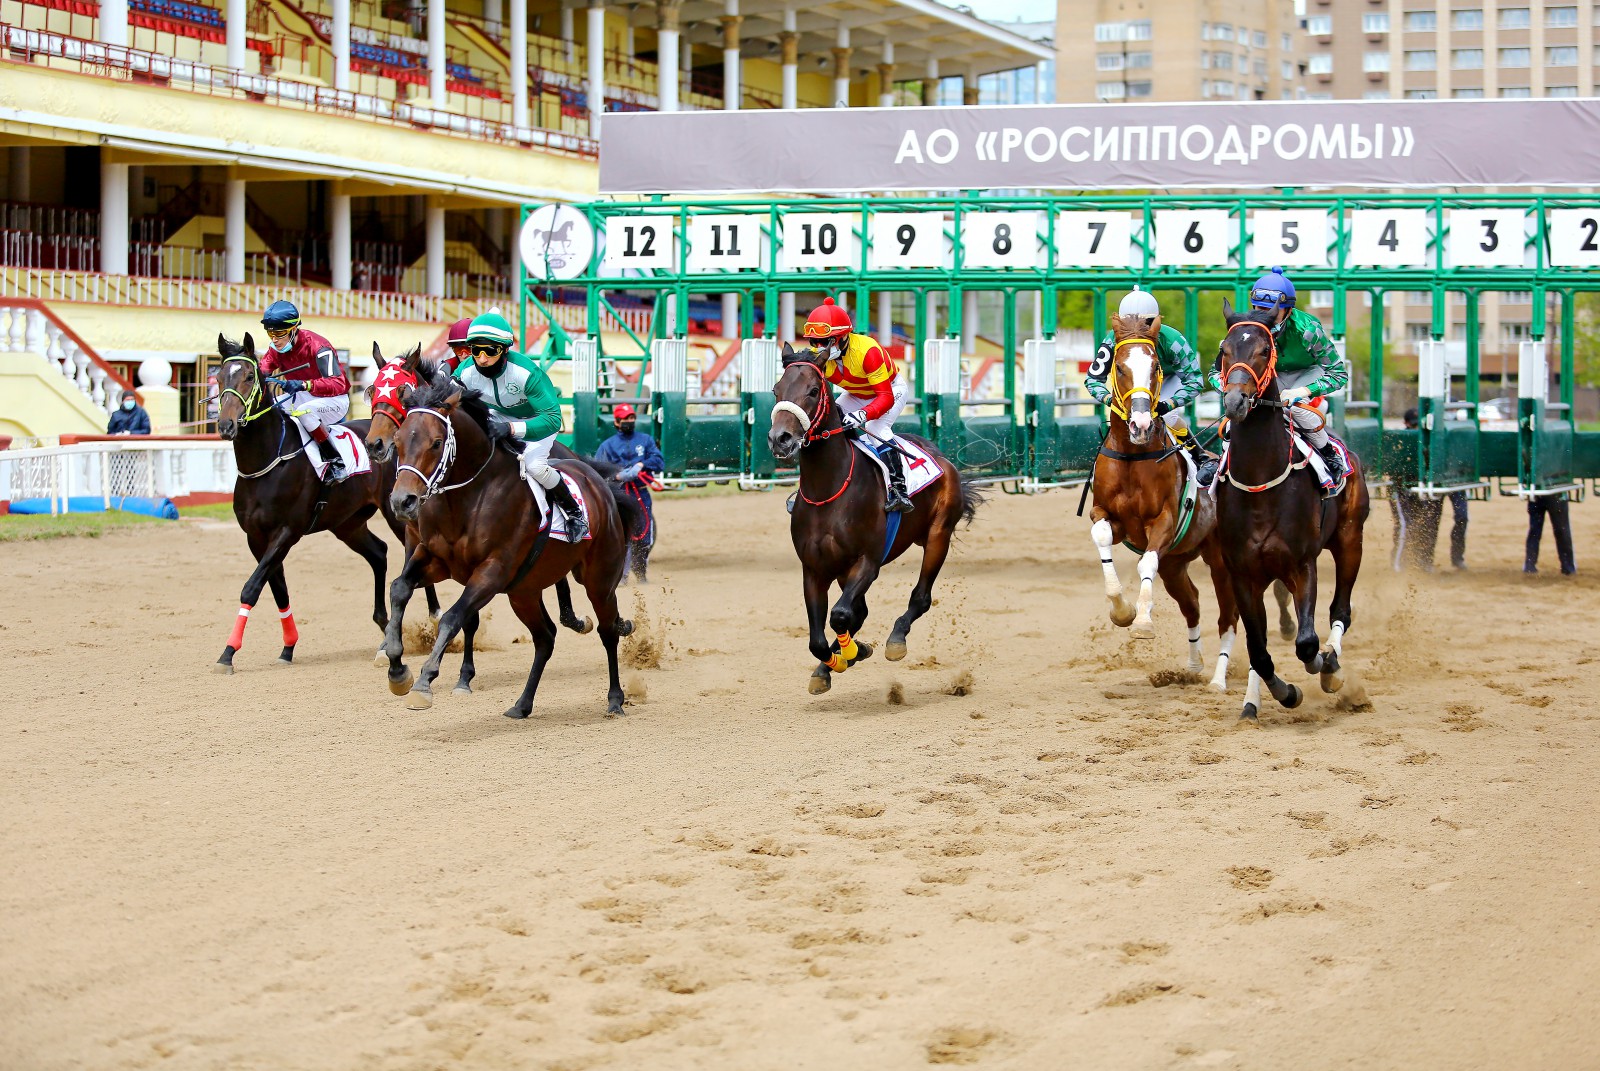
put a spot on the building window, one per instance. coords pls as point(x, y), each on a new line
point(1421, 94)
point(1259, 38)
point(1422, 21)
point(1467, 59)
point(1466, 94)
point(1322, 64)
point(1260, 67)
point(1286, 70)
point(1515, 18)
point(1561, 56)
point(1375, 22)
point(1222, 31)
point(1375, 94)
point(1285, 43)
point(1425, 60)
point(1467, 19)
point(1111, 90)
point(1109, 61)
point(1319, 96)
point(1111, 31)
point(1222, 89)
point(1515, 57)
point(1222, 61)
point(1561, 91)
point(1559, 17)
point(1375, 61)
point(1419, 332)
point(1319, 25)
point(1138, 60)
point(1138, 89)
point(1511, 331)
point(1515, 91)
point(1139, 31)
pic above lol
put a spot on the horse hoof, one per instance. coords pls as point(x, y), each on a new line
point(863, 652)
point(225, 668)
point(287, 657)
point(419, 700)
point(1143, 630)
point(517, 713)
point(583, 627)
point(1249, 716)
point(1121, 618)
point(403, 685)
point(1287, 629)
point(894, 650)
point(463, 689)
point(1332, 682)
point(615, 711)
point(624, 627)
point(1294, 697)
point(821, 680)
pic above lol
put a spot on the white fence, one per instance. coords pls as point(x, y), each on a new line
point(142, 468)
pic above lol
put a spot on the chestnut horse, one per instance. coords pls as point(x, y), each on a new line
point(278, 499)
point(839, 526)
point(477, 522)
point(1143, 497)
point(1273, 519)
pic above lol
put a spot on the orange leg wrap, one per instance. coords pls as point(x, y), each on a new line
point(236, 641)
point(291, 635)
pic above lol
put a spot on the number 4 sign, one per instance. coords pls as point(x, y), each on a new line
point(1574, 237)
point(1389, 237)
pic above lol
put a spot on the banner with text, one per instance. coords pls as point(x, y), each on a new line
point(1110, 146)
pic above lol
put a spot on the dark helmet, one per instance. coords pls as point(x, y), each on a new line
point(281, 314)
point(1272, 291)
point(458, 332)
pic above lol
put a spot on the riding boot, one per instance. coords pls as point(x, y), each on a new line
point(1205, 464)
point(330, 454)
point(561, 497)
point(899, 501)
point(1330, 457)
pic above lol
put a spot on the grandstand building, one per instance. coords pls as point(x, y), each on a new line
point(171, 166)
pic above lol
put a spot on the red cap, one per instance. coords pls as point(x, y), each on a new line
point(458, 332)
point(827, 321)
point(624, 412)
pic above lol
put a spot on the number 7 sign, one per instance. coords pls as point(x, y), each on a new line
point(1094, 240)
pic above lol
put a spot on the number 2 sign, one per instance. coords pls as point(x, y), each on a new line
point(1574, 237)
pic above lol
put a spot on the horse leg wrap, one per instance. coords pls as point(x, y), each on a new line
point(847, 653)
point(1219, 680)
point(1252, 696)
point(1336, 638)
point(1196, 654)
point(291, 634)
point(1147, 579)
point(236, 639)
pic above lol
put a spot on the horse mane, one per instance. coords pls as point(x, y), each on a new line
point(443, 389)
point(805, 356)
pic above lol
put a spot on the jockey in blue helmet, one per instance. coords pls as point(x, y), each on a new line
point(305, 365)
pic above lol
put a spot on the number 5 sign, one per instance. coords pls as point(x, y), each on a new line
point(1194, 238)
point(1295, 238)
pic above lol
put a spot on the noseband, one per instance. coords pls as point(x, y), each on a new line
point(434, 484)
point(1122, 400)
point(256, 394)
point(1260, 379)
point(808, 421)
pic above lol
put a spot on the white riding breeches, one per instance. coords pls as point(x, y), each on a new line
point(1308, 421)
point(313, 412)
point(883, 427)
point(1174, 418)
point(536, 462)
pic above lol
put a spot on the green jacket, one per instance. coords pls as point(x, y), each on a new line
point(1302, 345)
point(1177, 358)
point(520, 391)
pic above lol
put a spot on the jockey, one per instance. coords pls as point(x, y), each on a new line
point(1181, 380)
point(873, 394)
point(1309, 368)
point(456, 339)
point(303, 364)
point(513, 385)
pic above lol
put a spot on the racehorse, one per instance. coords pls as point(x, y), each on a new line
point(1273, 519)
point(483, 529)
point(1143, 497)
point(388, 410)
point(278, 498)
point(839, 526)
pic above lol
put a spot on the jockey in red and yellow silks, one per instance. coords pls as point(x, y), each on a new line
point(874, 394)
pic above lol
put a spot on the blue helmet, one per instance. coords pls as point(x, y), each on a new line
point(281, 314)
point(1272, 291)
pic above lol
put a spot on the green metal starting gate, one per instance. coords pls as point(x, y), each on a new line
point(930, 253)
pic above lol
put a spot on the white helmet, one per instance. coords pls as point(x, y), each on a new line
point(1139, 303)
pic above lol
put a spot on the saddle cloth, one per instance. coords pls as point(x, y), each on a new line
point(352, 451)
point(556, 520)
point(1308, 456)
point(922, 471)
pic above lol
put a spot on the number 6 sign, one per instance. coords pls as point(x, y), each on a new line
point(1195, 238)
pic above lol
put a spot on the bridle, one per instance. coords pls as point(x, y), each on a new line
point(1121, 401)
point(434, 484)
point(257, 395)
point(1259, 379)
point(813, 424)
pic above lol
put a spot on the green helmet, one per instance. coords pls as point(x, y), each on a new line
point(492, 326)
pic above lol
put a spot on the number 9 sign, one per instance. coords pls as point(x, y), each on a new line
point(1574, 237)
point(908, 240)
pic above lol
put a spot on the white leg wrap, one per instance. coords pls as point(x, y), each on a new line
point(1252, 690)
point(1336, 639)
point(1196, 655)
point(1101, 534)
point(1219, 680)
point(1147, 577)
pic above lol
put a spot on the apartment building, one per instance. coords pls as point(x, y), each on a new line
point(1177, 50)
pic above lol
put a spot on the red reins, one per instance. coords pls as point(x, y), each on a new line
point(813, 435)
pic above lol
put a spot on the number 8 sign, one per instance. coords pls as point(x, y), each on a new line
point(1001, 240)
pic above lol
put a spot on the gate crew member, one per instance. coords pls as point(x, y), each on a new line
point(1181, 380)
point(873, 394)
point(638, 459)
point(1309, 368)
point(304, 364)
point(513, 385)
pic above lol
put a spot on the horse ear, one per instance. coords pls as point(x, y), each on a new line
point(788, 351)
point(412, 358)
point(249, 346)
point(377, 354)
point(1153, 323)
point(1227, 311)
point(222, 344)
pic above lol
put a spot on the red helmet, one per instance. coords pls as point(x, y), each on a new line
point(458, 332)
point(827, 321)
point(624, 412)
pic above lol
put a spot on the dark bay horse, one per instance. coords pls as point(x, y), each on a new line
point(1141, 488)
point(389, 409)
point(1273, 519)
point(278, 499)
point(839, 525)
point(477, 523)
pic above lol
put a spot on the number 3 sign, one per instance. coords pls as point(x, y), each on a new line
point(1487, 237)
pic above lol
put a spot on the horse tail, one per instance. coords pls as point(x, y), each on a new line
point(633, 518)
point(972, 496)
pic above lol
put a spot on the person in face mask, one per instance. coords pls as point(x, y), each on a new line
point(130, 417)
point(305, 365)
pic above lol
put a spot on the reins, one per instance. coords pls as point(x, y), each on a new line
point(258, 395)
point(812, 434)
point(434, 484)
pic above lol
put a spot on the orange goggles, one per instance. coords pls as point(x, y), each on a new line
point(816, 330)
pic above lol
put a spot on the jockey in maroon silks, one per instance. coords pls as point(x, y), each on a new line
point(305, 365)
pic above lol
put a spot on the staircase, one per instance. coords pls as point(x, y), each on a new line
point(28, 326)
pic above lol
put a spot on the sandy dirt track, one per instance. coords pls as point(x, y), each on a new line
point(1064, 867)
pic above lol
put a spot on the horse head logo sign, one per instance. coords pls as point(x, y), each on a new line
point(557, 242)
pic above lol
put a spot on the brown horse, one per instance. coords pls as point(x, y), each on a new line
point(1143, 497)
point(278, 499)
point(477, 523)
point(839, 525)
point(389, 409)
point(1272, 518)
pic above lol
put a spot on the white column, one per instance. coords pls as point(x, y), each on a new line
point(790, 40)
point(493, 12)
point(730, 316)
point(433, 223)
point(235, 33)
point(883, 319)
point(841, 69)
point(969, 321)
point(20, 183)
point(595, 46)
point(518, 34)
point(114, 22)
point(340, 43)
point(1041, 94)
point(732, 87)
point(436, 53)
point(628, 47)
point(930, 83)
point(667, 53)
point(339, 238)
point(886, 75)
point(786, 317)
point(568, 33)
point(114, 218)
point(233, 231)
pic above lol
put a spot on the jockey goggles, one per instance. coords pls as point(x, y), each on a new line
point(1268, 299)
point(486, 349)
point(276, 333)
